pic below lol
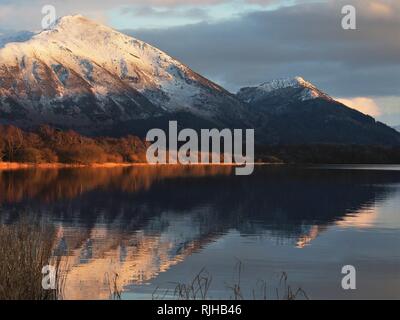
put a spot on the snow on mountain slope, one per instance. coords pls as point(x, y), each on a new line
point(294, 111)
point(297, 87)
point(85, 76)
point(82, 72)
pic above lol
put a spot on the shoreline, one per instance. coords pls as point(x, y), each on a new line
point(19, 165)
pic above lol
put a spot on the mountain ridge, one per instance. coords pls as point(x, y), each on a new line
point(294, 111)
point(88, 77)
point(87, 73)
point(308, 90)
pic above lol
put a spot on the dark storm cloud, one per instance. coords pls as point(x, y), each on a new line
point(305, 40)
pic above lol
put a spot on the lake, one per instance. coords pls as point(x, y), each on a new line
point(149, 230)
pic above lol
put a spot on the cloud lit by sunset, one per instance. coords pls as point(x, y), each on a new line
point(362, 104)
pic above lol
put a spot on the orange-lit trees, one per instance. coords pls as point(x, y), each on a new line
point(2, 148)
point(13, 140)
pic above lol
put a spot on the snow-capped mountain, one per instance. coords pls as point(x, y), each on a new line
point(295, 88)
point(85, 76)
point(81, 73)
point(397, 128)
point(294, 111)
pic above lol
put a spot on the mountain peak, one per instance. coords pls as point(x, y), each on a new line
point(87, 73)
point(308, 91)
point(76, 23)
point(73, 19)
point(296, 82)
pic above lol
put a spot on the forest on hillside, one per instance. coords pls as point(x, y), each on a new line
point(50, 145)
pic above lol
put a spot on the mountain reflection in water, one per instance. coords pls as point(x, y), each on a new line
point(138, 222)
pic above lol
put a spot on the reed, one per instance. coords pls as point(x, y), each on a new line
point(26, 247)
point(199, 288)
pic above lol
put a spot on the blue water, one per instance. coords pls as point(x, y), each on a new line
point(157, 227)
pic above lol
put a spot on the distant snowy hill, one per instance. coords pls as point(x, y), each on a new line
point(294, 111)
point(304, 90)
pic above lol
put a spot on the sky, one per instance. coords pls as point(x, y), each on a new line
point(240, 43)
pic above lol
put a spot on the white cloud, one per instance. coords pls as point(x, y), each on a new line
point(362, 104)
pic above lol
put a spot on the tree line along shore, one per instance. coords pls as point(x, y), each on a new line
point(50, 147)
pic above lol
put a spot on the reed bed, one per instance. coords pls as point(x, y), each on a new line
point(25, 248)
point(199, 288)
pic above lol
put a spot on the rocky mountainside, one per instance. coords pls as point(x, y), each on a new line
point(294, 111)
point(87, 76)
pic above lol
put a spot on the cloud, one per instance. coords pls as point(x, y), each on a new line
point(379, 8)
point(362, 104)
point(147, 11)
point(269, 39)
point(305, 39)
point(390, 107)
point(26, 14)
point(156, 17)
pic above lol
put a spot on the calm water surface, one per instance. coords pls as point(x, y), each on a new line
point(158, 226)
